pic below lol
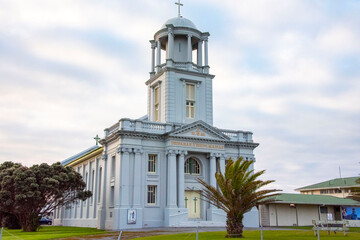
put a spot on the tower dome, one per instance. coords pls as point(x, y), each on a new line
point(179, 22)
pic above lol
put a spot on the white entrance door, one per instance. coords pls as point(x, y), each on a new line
point(192, 203)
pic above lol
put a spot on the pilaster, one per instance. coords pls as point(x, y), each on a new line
point(137, 178)
point(206, 57)
point(171, 187)
point(103, 180)
point(124, 177)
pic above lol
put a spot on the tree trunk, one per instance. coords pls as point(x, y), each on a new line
point(29, 222)
point(234, 225)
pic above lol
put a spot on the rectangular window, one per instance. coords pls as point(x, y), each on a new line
point(190, 101)
point(151, 195)
point(100, 176)
point(323, 210)
point(92, 184)
point(152, 161)
point(156, 104)
point(112, 196)
point(112, 173)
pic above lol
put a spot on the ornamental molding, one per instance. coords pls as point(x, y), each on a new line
point(203, 126)
point(125, 150)
point(138, 150)
point(178, 70)
point(245, 145)
point(172, 152)
point(212, 155)
point(183, 152)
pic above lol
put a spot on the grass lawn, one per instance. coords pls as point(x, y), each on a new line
point(49, 232)
point(351, 229)
point(268, 235)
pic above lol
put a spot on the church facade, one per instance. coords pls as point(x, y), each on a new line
point(144, 172)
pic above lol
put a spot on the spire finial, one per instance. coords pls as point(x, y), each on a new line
point(97, 139)
point(179, 6)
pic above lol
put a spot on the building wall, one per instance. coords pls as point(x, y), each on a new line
point(173, 97)
point(307, 213)
point(83, 213)
point(114, 191)
point(330, 192)
point(285, 215)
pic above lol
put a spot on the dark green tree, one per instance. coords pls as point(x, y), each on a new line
point(31, 192)
point(238, 193)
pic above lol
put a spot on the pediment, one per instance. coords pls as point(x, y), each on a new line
point(199, 130)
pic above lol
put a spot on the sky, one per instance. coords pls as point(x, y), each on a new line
point(287, 70)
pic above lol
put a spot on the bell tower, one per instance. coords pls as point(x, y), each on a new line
point(180, 85)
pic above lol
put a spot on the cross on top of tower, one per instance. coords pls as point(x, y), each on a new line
point(179, 6)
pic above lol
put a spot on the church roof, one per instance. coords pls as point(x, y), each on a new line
point(179, 22)
point(80, 154)
point(333, 183)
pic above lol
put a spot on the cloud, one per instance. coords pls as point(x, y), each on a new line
point(286, 70)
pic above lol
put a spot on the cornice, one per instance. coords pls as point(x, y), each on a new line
point(173, 69)
point(165, 137)
point(246, 145)
point(86, 157)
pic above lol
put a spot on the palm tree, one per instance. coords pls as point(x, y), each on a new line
point(238, 193)
point(355, 192)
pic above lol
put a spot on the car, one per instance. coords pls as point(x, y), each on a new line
point(44, 220)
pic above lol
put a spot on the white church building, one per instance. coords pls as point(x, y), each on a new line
point(144, 172)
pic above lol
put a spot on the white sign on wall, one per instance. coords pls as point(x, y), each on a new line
point(131, 216)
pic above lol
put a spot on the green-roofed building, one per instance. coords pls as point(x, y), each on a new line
point(338, 187)
point(290, 209)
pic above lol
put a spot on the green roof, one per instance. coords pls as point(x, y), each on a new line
point(333, 183)
point(314, 199)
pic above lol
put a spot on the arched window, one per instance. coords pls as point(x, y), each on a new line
point(192, 166)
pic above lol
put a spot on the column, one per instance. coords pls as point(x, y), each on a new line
point(212, 169)
point(170, 43)
point(212, 172)
point(189, 48)
point(153, 45)
point(222, 163)
point(199, 54)
point(125, 176)
point(171, 187)
point(206, 51)
point(137, 178)
point(158, 59)
point(181, 179)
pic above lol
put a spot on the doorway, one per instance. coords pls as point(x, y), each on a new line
point(192, 203)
